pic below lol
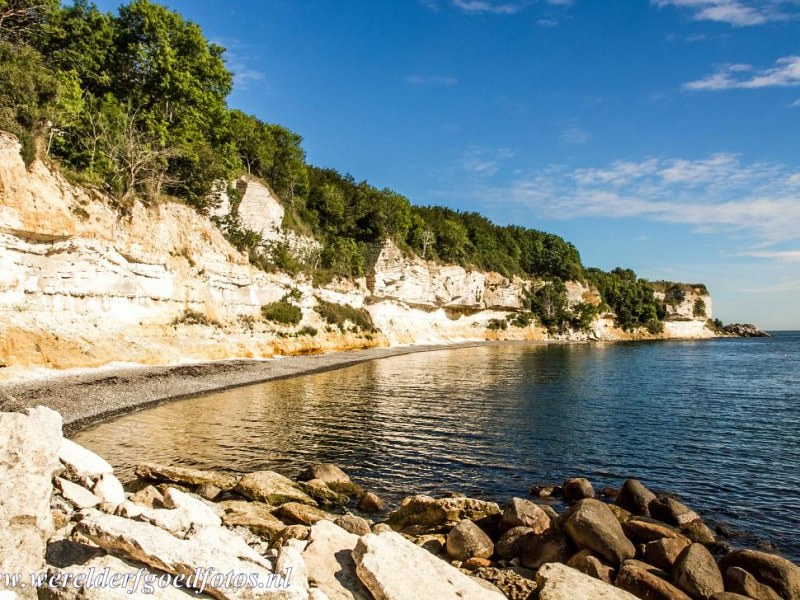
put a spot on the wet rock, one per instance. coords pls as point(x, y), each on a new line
point(272, 488)
point(524, 513)
point(664, 552)
point(384, 562)
point(466, 540)
point(319, 491)
point(739, 581)
point(511, 542)
point(185, 476)
point(778, 573)
point(77, 495)
point(635, 497)
point(353, 524)
point(619, 512)
point(510, 582)
point(609, 492)
point(109, 489)
point(672, 512)
point(695, 572)
point(551, 546)
point(560, 582)
point(545, 491)
point(29, 450)
point(327, 472)
point(642, 530)
point(82, 464)
point(422, 514)
point(589, 564)
point(577, 488)
point(370, 503)
point(330, 564)
point(699, 533)
point(295, 513)
point(148, 496)
point(592, 526)
point(645, 583)
point(255, 516)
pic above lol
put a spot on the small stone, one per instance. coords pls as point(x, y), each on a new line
point(208, 491)
point(466, 540)
point(77, 495)
point(699, 533)
point(672, 512)
point(433, 543)
point(272, 488)
point(148, 496)
point(326, 472)
point(292, 532)
point(319, 491)
point(577, 488)
point(516, 583)
point(255, 516)
point(370, 503)
point(511, 542)
point(589, 564)
point(642, 530)
point(545, 491)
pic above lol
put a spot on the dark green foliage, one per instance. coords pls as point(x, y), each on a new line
point(583, 314)
point(340, 314)
point(548, 301)
point(699, 308)
point(282, 312)
point(520, 319)
point(193, 317)
point(497, 325)
point(717, 326)
point(631, 298)
point(307, 330)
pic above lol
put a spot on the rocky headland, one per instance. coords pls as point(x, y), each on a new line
point(68, 520)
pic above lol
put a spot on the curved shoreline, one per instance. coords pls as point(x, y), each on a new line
point(88, 398)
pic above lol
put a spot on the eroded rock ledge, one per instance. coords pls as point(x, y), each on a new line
point(64, 515)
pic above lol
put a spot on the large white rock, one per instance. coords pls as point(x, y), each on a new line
point(330, 563)
point(185, 513)
point(109, 489)
point(28, 461)
point(78, 495)
point(560, 582)
point(91, 587)
point(82, 463)
point(208, 547)
point(393, 568)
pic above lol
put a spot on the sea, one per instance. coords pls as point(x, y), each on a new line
point(714, 422)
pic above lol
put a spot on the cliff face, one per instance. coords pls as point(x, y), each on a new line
point(82, 285)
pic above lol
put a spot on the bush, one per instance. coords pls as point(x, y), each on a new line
point(497, 325)
point(340, 314)
point(282, 312)
point(699, 308)
point(193, 317)
point(521, 319)
point(307, 330)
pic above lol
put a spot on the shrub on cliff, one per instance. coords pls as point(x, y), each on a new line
point(282, 312)
point(341, 314)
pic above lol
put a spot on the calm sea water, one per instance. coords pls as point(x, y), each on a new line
point(717, 422)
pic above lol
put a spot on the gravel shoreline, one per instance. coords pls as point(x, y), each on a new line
point(91, 397)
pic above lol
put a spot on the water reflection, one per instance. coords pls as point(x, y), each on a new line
point(715, 421)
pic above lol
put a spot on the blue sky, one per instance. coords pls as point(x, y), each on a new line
point(660, 135)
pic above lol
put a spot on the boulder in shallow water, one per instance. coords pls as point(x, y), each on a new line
point(272, 488)
point(642, 530)
point(370, 503)
point(592, 526)
point(353, 524)
point(672, 512)
point(296, 513)
point(635, 497)
point(466, 540)
point(560, 582)
point(391, 567)
point(696, 572)
point(577, 488)
point(185, 476)
point(319, 491)
point(781, 575)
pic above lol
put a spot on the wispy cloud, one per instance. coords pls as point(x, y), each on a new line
point(785, 73)
point(782, 255)
point(431, 5)
point(236, 59)
point(485, 163)
point(436, 80)
point(575, 135)
point(796, 103)
point(739, 13)
point(487, 6)
point(716, 193)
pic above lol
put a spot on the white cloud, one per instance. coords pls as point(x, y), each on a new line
point(785, 73)
point(796, 103)
point(485, 163)
point(486, 6)
point(575, 135)
point(431, 80)
point(782, 255)
point(717, 193)
point(739, 13)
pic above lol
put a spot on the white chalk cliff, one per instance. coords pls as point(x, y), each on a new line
point(82, 285)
